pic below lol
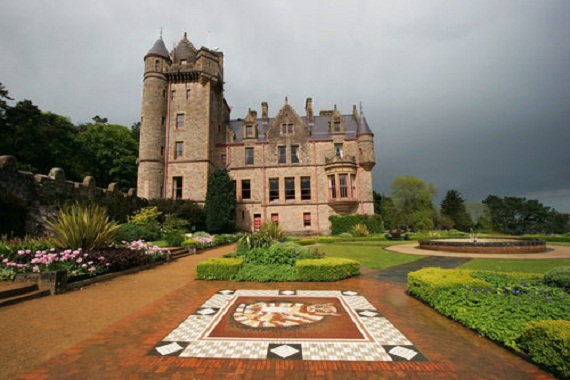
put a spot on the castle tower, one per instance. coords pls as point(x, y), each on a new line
point(184, 119)
point(153, 115)
point(365, 138)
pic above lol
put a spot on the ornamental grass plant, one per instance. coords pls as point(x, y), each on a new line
point(78, 226)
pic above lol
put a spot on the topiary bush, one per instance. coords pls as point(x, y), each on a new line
point(345, 235)
point(326, 269)
point(559, 277)
point(218, 269)
point(130, 232)
point(265, 273)
point(548, 343)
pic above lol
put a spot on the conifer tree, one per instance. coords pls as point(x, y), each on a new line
point(220, 208)
point(453, 207)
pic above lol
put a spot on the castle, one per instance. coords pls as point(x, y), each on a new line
point(291, 169)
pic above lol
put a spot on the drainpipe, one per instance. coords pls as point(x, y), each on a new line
point(166, 141)
point(316, 186)
point(263, 198)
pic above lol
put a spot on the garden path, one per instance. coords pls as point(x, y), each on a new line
point(115, 330)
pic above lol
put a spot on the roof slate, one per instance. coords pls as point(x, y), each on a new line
point(159, 48)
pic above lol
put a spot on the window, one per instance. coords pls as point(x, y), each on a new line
point(287, 129)
point(338, 150)
point(162, 121)
point(187, 94)
point(245, 189)
point(294, 154)
point(306, 188)
point(179, 121)
point(164, 93)
point(224, 159)
point(353, 182)
point(156, 65)
point(282, 154)
point(307, 219)
point(177, 187)
point(343, 185)
point(332, 187)
point(275, 218)
point(172, 94)
point(249, 156)
point(273, 189)
point(249, 131)
point(337, 126)
point(178, 151)
point(289, 189)
point(161, 151)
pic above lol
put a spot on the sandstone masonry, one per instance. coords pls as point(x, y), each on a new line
point(296, 170)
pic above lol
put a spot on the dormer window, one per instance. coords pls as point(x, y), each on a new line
point(249, 131)
point(336, 126)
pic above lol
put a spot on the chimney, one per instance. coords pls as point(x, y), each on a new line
point(264, 117)
point(355, 113)
point(309, 110)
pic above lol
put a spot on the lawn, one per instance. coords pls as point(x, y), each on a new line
point(505, 265)
point(371, 256)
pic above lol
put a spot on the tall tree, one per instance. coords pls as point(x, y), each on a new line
point(109, 153)
point(384, 206)
point(453, 207)
point(220, 208)
point(413, 200)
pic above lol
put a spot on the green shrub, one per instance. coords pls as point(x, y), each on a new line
point(326, 269)
point(345, 235)
point(256, 240)
point(174, 238)
point(427, 284)
point(200, 234)
point(184, 209)
point(86, 227)
point(548, 343)
point(218, 269)
point(558, 276)
point(360, 230)
point(130, 232)
point(146, 216)
point(271, 230)
point(306, 241)
point(189, 243)
point(340, 224)
point(265, 273)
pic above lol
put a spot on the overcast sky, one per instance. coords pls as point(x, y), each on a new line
point(468, 95)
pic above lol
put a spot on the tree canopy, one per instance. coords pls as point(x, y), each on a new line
point(453, 207)
point(412, 198)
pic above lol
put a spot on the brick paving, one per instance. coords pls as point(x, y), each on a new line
point(124, 350)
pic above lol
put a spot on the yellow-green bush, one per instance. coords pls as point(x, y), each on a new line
point(326, 269)
point(218, 268)
point(426, 283)
point(548, 343)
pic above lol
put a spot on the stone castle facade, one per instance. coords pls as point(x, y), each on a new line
point(292, 169)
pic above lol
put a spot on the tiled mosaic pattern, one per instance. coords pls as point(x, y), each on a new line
point(384, 342)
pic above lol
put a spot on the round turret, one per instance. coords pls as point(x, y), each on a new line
point(365, 138)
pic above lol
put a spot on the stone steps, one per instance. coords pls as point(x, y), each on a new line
point(14, 293)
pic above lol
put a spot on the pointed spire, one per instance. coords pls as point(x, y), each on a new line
point(362, 127)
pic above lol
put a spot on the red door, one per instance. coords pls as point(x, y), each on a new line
point(256, 222)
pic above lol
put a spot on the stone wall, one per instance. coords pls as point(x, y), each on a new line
point(39, 195)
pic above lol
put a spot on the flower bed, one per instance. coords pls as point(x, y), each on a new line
point(498, 306)
point(78, 264)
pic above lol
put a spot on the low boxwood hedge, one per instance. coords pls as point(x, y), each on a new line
point(327, 269)
point(235, 269)
point(218, 269)
point(548, 343)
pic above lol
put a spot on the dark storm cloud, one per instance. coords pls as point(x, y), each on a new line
point(469, 95)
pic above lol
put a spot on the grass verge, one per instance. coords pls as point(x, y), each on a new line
point(368, 256)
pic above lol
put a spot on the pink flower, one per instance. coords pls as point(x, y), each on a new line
point(36, 268)
point(84, 266)
point(79, 260)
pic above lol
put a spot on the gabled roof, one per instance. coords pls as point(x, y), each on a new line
point(320, 130)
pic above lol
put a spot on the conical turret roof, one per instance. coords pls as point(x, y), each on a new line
point(158, 49)
point(363, 127)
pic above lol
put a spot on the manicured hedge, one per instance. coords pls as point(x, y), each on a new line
point(501, 307)
point(340, 224)
point(327, 269)
point(427, 284)
point(548, 343)
point(218, 269)
point(558, 276)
